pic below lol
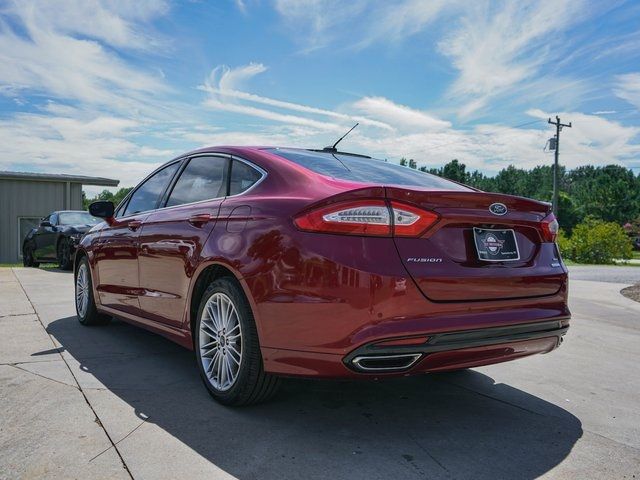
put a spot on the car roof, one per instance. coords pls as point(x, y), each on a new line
point(239, 150)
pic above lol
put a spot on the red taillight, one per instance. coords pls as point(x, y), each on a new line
point(550, 228)
point(367, 217)
point(410, 221)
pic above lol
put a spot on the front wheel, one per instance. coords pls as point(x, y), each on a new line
point(28, 260)
point(64, 254)
point(85, 303)
point(227, 347)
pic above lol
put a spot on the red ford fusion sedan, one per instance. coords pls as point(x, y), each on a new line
point(272, 262)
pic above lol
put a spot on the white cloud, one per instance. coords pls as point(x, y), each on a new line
point(498, 46)
point(268, 114)
point(318, 22)
point(41, 55)
point(399, 116)
point(395, 21)
point(241, 6)
point(594, 140)
point(226, 78)
point(222, 84)
point(358, 23)
point(78, 142)
point(628, 88)
point(113, 23)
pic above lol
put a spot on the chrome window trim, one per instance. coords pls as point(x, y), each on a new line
point(125, 201)
point(229, 156)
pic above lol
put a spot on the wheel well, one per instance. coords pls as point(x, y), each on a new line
point(79, 254)
point(208, 275)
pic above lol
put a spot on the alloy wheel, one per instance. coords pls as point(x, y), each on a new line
point(220, 341)
point(82, 290)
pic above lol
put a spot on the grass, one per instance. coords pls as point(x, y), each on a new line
point(635, 255)
point(571, 263)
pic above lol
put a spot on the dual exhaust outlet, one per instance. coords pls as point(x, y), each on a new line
point(385, 363)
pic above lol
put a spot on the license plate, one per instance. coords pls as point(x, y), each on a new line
point(496, 245)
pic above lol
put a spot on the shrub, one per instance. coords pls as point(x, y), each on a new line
point(596, 241)
point(564, 244)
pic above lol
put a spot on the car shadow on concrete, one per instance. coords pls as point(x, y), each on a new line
point(435, 426)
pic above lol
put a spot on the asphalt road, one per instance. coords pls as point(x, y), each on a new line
point(118, 402)
point(605, 273)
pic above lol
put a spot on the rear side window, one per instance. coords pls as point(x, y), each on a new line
point(243, 177)
point(202, 179)
point(363, 169)
point(147, 195)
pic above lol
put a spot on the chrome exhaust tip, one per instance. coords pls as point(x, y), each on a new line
point(385, 363)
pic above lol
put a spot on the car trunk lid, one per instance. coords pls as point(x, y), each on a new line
point(444, 262)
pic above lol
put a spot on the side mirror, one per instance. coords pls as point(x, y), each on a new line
point(102, 209)
point(45, 223)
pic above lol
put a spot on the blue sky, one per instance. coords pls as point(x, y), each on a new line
point(115, 88)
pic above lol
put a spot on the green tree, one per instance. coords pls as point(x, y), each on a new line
point(611, 193)
point(106, 195)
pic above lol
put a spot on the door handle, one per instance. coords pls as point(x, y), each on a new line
point(199, 219)
point(134, 225)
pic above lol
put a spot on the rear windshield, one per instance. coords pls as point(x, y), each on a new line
point(362, 169)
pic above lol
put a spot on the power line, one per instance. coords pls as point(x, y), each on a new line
point(457, 141)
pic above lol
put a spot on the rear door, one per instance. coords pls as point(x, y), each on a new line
point(116, 250)
point(172, 238)
point(448, 264)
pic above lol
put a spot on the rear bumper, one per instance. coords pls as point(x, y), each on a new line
point(468, 345)
point(441, 352)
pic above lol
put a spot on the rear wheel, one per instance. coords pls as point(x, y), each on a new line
point(28, 260)
point(85, 304)
point(64, 254)
point(227, 347)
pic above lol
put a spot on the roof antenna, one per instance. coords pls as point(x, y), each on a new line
point(333, 149)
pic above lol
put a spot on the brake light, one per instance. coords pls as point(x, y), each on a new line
point(410, 221)
point(367, 217)
point(550, 228)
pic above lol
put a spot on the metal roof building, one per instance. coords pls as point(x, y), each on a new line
point(27, 197)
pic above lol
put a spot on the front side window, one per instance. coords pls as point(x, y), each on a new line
point(54, 219)
point(147, 195)
point(243, 177)
point(202, 179)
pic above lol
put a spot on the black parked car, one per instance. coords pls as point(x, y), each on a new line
point(56, 238)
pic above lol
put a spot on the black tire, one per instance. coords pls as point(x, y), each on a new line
point(28, 259)
point(252, 384)
point(64, 254)
point(88, 316)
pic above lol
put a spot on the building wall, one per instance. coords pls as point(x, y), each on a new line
point(20, 198)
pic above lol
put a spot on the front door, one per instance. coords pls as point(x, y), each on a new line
point(116, 257)
point(45, 238)
point(116, 249)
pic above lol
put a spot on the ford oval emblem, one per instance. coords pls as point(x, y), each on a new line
point(498, 208)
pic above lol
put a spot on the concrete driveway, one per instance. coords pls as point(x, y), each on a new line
point(118, 402)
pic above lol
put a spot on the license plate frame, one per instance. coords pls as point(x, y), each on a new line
point(490, 244)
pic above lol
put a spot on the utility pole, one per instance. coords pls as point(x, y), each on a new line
point(556, 185)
